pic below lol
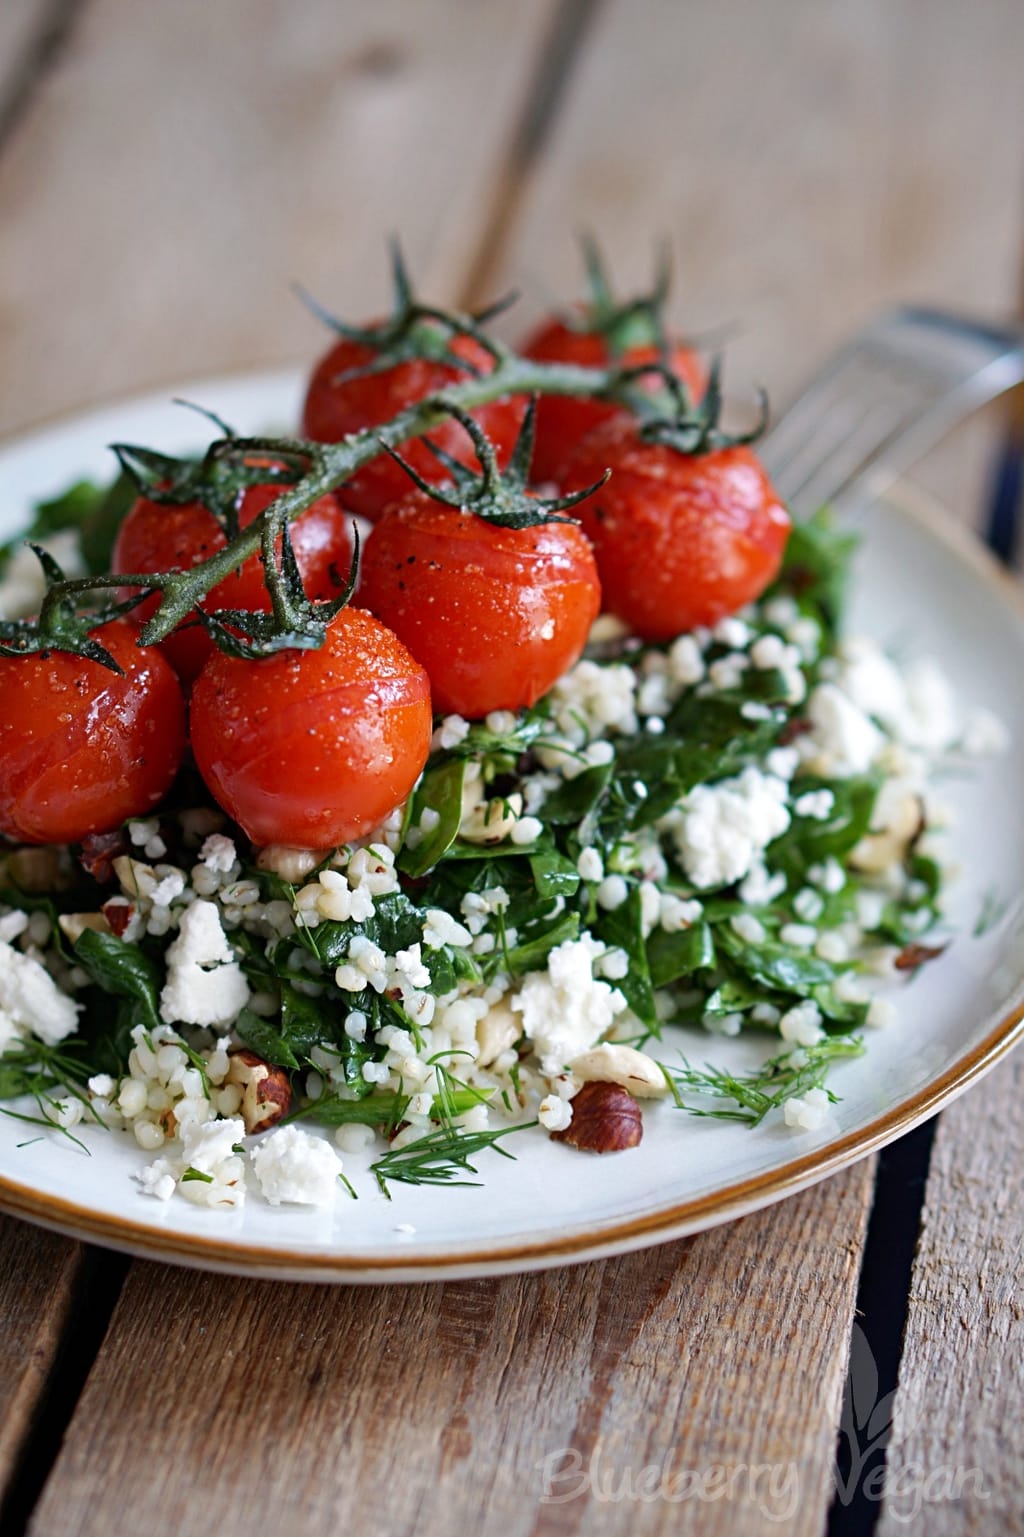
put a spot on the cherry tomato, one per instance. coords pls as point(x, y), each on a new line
point(81, 747)
point(314, 748)
point(681, 539)
point(495, 614)
point(334, 410)
point(157, 536)
point(564, 420)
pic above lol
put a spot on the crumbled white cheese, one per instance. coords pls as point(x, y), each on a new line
point(295, 1166)
point(208, 1144)
point(930, 722)
point(724, 827)
point(816, 804)
point(846, 741)
point(205, 984)
point(565, 1008)
point(873, 682)
point(218, 854)
point(31, 1000)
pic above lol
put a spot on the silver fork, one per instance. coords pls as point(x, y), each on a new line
point(884, 400)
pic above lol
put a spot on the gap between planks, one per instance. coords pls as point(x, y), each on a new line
point(455, 1407)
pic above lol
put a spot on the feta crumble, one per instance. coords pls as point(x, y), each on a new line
point(294, 1166)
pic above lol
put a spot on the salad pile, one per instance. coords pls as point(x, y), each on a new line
point(406, 835)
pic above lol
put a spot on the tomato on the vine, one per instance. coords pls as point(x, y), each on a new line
point(83, 747)
point(314, 748)
point(681, 539)
point(495, 614)
point(336, 406)
point(165, 536)
point(564, 420)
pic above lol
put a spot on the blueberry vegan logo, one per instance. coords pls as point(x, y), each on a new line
point(864, 1467)
point(772, 1488)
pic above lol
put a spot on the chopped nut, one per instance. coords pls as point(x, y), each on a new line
point(266, 1092)
point(876, 851)
point(605, 1119)
point(74, 925)
point(913, 956)
point(99, 851)
point(119, 913)
point(611, 1063)
point(497, 1031)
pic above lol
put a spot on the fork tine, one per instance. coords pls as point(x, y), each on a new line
point(884, 399)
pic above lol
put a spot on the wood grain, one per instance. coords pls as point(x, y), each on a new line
point(21, 23)
point(810, 163)
point(38, 1273)
point(183, 164)
point(432, 1409)
point(167, 184)
point(956, 1461)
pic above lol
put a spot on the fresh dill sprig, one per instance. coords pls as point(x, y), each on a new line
point(45, 1119)
point(440, 1156)
point(755, 1094)
point(994, 905)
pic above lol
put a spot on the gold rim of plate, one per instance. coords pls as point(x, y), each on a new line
point(597, 1240)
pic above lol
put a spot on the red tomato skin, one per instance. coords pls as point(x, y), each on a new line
point(314, 748)
point(81, 748)
point(332, 411)
point(156, 536)
point(563, 421)
point(681, 540)
point(496, 615)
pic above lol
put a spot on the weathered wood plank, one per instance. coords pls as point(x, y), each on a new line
point(811, 163)
point(21, 22)
point(38, 1272)
point(955, 1461)
point(456, 1407)
point(182, 165)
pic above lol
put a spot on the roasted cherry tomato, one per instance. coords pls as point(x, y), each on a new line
point(495, 614)
point(564, 420)
point(333, 410)
point(81, 747)
point(681, 539)
point(159, 536)
point(314, 748)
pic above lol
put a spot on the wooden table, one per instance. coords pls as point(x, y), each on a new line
point(165, 171)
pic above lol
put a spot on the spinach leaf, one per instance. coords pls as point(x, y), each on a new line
point(554, 875)
point(817, 567)
point(679, 954)
point(124, 969)
point(259, 1034)
point(441, 791)
point(776, 966)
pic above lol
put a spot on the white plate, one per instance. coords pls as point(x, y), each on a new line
point(918, 585)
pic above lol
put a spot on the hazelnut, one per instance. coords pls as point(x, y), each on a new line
point(266, 1092)
point(605, 1119)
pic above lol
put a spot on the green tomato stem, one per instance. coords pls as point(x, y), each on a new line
point(333, 464)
